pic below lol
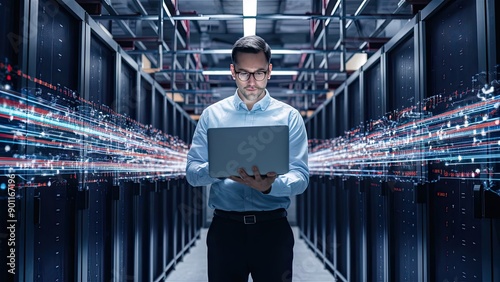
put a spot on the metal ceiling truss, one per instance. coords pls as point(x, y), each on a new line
point(179, 69)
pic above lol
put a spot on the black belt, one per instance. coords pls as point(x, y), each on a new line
point(251, 217)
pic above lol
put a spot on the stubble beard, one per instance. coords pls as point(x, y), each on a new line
point(254, 96)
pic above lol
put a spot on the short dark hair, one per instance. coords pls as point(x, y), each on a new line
point(251, 44)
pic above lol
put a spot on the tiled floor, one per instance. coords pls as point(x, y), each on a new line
point(307, 267)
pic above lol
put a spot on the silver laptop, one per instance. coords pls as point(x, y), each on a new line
point(231, 148)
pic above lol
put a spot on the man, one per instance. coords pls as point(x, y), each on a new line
point(250, 233)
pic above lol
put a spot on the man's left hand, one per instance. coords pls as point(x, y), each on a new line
point(258, 182)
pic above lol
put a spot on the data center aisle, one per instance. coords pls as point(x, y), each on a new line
point(307, 267)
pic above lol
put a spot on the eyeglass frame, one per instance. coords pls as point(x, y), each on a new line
point(251, 74)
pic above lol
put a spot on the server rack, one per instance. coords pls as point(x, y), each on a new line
point(94, 224)
point(413, 218)
point(450, 200)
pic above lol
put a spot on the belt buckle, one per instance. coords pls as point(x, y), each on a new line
point(249, 219)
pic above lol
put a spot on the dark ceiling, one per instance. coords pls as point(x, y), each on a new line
point(315, 38)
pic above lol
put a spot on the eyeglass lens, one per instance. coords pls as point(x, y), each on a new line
point(259, 75)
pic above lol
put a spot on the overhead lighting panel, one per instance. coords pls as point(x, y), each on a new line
point(249, 10)
point(356, 61)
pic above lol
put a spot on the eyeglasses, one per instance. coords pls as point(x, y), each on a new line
point(244, 76)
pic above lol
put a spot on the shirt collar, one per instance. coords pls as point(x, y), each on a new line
point(262, 104)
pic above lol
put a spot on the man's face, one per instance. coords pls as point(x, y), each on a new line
point(251, 90)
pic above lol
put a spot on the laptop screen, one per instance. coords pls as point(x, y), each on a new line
point(231, 148)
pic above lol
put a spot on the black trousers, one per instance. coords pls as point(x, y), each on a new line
point(263, 249)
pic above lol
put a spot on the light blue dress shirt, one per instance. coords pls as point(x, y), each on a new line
point(230, 195)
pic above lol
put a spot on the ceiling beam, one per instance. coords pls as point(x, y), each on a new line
point(229, 17)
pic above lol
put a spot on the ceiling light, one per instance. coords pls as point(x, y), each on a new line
point(284, 72)
point(287, 52)
point(249, 10)
point(356, 61)
point(216, 72)
point(249, 26)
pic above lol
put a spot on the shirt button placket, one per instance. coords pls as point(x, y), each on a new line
point(249, 118)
